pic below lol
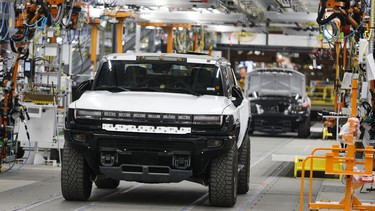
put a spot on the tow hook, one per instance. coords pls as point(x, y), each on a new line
point(181, 161)
point(108, 158)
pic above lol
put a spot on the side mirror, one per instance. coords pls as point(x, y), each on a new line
point(85, 86)
point(81, 88)
point(237, 96)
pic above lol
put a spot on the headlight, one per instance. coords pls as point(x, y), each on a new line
point(299, 108)
point(207, 120)
point(88, 114)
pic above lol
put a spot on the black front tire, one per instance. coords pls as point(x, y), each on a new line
point(75, 174)
point(304, 128)
point(223, 179)
point(244, 159)
point(107, 183)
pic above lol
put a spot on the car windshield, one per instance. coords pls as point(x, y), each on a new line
point(157, 76)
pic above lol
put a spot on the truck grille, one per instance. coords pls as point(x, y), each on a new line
point(153, 146)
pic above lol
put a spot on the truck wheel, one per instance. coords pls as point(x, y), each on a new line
point(107, 183)
point(244, 159)
point(304, 128)
point(75, 174)
point(223, 179)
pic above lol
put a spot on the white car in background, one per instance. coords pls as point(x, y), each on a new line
point(279, 102)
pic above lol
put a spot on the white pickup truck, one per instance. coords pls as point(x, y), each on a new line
point(159, 118)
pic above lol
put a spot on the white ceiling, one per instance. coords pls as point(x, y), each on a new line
point(267, 16)
point(299, 15)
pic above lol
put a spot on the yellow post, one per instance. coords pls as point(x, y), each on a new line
point(170, 39)
point(196, 42)
point(202, 39)
point(169, 29)
point(119, 26)
point(337, 78)
point(347, 201)
point(120, 17)
point(94, 39)
point(337, 65)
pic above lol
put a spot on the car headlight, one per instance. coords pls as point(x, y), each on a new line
point(299, 108)
point(88, 114)
point(207, 120)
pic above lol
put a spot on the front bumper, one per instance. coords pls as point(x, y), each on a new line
point(275, 123)
point(151, 158)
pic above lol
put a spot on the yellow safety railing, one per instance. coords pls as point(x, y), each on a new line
point(349, 202)
point(321, 95)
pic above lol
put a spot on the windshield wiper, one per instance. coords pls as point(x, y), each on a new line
point(180, 90)
point(112, 88)
point(146, 89)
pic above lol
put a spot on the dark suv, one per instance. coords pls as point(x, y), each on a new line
point(159, 118)
point(279, 102)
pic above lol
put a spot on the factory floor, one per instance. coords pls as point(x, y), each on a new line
point(272, 184)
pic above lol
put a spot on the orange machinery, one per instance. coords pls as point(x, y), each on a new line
point(29, 16)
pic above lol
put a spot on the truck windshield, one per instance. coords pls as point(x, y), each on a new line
point(157, 76)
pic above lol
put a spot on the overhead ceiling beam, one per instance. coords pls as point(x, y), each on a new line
point(291, 17)
point(172, 3)
point(189, 17)
point(289, 49)
point(228, 28)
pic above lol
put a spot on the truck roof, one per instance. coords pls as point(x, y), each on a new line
point(190, 58)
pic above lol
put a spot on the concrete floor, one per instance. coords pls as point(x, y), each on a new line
point(273, 187)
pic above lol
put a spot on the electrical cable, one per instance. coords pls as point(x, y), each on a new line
point(80, 53)
point(28, 154)
point(36, 22)
point(29, 141)
point(20, 39)
point(10, 144)
point(55, 20)
point(6, 34)
point(46, 12)
point(3, 16)
point(335, 30)
point(70, 13)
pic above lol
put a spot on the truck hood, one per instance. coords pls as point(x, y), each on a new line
point(151, 102)
point(275, 83)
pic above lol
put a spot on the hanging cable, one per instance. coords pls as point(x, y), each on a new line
point(3, 16)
